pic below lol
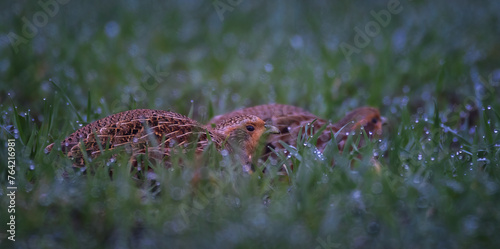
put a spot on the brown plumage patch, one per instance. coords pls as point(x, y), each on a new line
point(290, 120)
point(159, 131)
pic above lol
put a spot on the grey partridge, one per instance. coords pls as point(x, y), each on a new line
point(160, 131)
point(290, 120)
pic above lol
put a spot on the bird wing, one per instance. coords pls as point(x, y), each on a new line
point(264, 112)
point(135, 129)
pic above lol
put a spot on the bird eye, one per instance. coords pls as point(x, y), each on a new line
point(374, 120)
point(250, 128)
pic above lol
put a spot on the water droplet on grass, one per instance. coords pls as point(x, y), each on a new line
point(112, 29)
point(296, 42)
point(319, 155)
point(269, 67)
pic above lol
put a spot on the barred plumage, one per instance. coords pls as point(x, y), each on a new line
point(291, 119)
point(159, 131)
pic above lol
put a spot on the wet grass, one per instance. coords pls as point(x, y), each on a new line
point(433, 70)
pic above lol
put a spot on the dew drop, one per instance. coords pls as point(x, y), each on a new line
point(296, 42)
point(224, 153)
point(269, 67)
point(112, 29)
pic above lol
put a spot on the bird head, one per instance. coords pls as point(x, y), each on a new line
point(367, 117)
point(244, 132)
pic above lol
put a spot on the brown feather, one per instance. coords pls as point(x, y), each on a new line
point(290, 120)
point(159, 131)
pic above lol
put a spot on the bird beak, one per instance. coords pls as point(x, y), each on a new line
point(383, 120)
point(271, 129)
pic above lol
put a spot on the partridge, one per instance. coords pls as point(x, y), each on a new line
point(159, 132)
point(291, 120)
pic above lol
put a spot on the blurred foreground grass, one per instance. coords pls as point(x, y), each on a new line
point(433, 70)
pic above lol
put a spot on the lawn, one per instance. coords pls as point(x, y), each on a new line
point(431, 67)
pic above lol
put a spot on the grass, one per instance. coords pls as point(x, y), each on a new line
point(433, 71)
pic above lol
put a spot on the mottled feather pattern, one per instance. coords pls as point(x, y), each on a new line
point(265, 112)
point(291, 120)
point(114, 121)
point(158, 131)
